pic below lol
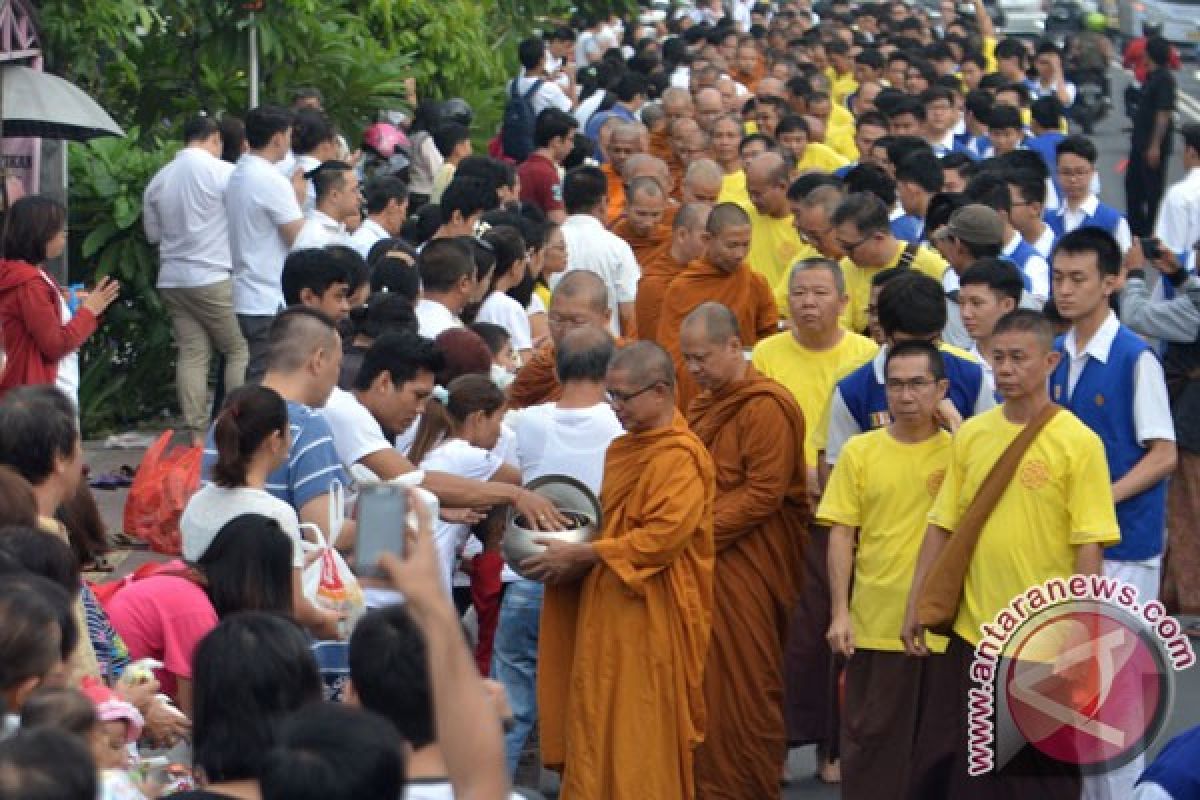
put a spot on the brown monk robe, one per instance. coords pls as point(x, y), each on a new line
point(721, 276)
point(579, 299)
point(676, 104)
point(754, 430)
point(686, 244)
point(683, 133)
point(620, 691)
point(641, 224)
point(624, 140)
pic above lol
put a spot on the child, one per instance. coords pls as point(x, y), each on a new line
point(504, 361)
point(113, 739)
point(453, 141)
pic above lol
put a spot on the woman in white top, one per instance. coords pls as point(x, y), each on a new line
point(499, 307)
point(253, 438)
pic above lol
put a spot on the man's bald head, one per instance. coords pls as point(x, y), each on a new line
point(582, 355)
point(626, 131)
point(726, 215)
point(766, 183)
point(682, 127)
point(647, 201)
point(644, 187)
point(702, 181)
point(771, 87)
point(768, 168)
point(677, 103)
point(645, 363)
point(580, 284)
point(644, 165)
point(715, 321)
point(693, 216)
point(625, 139)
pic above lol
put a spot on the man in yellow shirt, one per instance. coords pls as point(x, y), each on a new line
point(863, 232)
point(1053, 520)
point(809, 156)
point(726, 141)
point(808, 360)
point(774, 244)
point(841, 70)
point(876, 503)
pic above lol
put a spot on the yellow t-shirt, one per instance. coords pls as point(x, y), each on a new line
point(839, 117)
point(819, 158)
point(842, 142)
point(774, 245)
point(858, 282)
point(733, 189)
point(1061, 496)
point(811, 375)
point(884, 488)
point(842, 86)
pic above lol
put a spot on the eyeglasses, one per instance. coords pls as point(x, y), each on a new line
point(616, 398)
point(915, 385)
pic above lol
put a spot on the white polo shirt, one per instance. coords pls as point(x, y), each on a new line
point(184, 213)
point(433, 318)
point(592, 247)
point(258, 201)
point(367, 236)
point(320, 230)
point(1178, 226)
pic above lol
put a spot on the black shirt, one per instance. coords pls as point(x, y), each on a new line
point(1158, 94)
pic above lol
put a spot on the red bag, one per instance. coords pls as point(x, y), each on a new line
point(161, 487)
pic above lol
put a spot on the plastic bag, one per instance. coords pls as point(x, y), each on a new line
point(164, 482)
point(328, 582)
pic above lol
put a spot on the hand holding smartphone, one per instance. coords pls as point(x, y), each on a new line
point(382, 517)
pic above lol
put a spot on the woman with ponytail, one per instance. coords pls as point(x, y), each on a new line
point(499, 307)
point(252, 435)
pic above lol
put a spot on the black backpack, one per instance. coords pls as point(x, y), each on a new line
point(516, 132)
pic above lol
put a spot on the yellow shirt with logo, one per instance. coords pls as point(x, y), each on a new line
point(733, 189)
point(884, 488)
point(858, 282)
point(819, 158)
point(811, 375)
point(774, 245)
point(1060, 497)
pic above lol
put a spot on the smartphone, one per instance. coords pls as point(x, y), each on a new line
point(382, 516)
point(1150, 248)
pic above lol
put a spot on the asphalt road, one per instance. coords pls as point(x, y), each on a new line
point(1112, 141)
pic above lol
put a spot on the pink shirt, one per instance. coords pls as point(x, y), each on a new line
point(163, 617)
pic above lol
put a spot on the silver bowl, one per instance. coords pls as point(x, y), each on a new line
point(573, 499)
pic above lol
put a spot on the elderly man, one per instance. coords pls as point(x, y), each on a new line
point(644, 165)
point(687, 243)
point(755, 433)
point(709, 108)
point(625, 140)
point(701, 182)
point(567, 437)
point(774, 245)
point(621, 689)
point(580, 299)
point(723, 276)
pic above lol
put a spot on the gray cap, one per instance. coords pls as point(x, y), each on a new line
point(975, 224)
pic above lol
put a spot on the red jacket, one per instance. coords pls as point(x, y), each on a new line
point(35, 339)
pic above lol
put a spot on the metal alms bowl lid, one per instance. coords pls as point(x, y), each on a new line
point(567, 494)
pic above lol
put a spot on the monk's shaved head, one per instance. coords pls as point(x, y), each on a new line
point(717, 323)
point(652, 114)
point(682, 126)
point(769, 169)
point(692, 216)
point(626, 130)
point(644, 165)
point(588, 287)
point(702, 181)
point(771, 87)
point(727, 215)
point(646, 363)
point(644, 186)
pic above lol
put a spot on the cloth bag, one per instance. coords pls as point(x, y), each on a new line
point(941, 594)
point(162, 485)
point(327, 580)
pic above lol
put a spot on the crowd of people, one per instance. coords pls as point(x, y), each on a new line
point(784, 288)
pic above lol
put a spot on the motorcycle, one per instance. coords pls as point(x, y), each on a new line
point(1091, 101)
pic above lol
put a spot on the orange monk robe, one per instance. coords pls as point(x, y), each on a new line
point(620, 692)
point(755, 433)
point(537, 379)
point(743, 291)
point(659, 145)
point(616, 192)
point(653, 254)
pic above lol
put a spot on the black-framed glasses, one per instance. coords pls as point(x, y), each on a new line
point(915, 385)
point(616, 398)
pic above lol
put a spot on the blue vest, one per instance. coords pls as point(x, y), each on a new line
point(1103, 400)
point(1046, 146)
point(866, 397)
point(1177, 768)
point(1021, 257)
point(1106, 218)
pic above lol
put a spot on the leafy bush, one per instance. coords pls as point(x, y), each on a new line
point(127, 366)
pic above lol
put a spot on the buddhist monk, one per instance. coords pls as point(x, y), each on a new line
point(702, 182)
point(687, 243)
point(620, 692)
point(723, 276)
point(625, 139)
point(755, 432)
point(641, 224)
point(644, 165)
point(676, 104)
point(579, 299)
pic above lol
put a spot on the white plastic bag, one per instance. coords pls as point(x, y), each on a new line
point(328, 582)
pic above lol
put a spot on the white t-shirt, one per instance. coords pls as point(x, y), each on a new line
point(258, 200)
point(564, 441)
point(367, 235)
point(502, 310)
point(433, 318)
point(549, 94)
point(320, 230)
point(433, 789)
point(184, 212)
point(356, 433)
point(592, 247)
point(456, 457)
point(213, 506)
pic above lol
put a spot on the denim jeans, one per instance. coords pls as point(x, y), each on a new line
point(514, 661)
